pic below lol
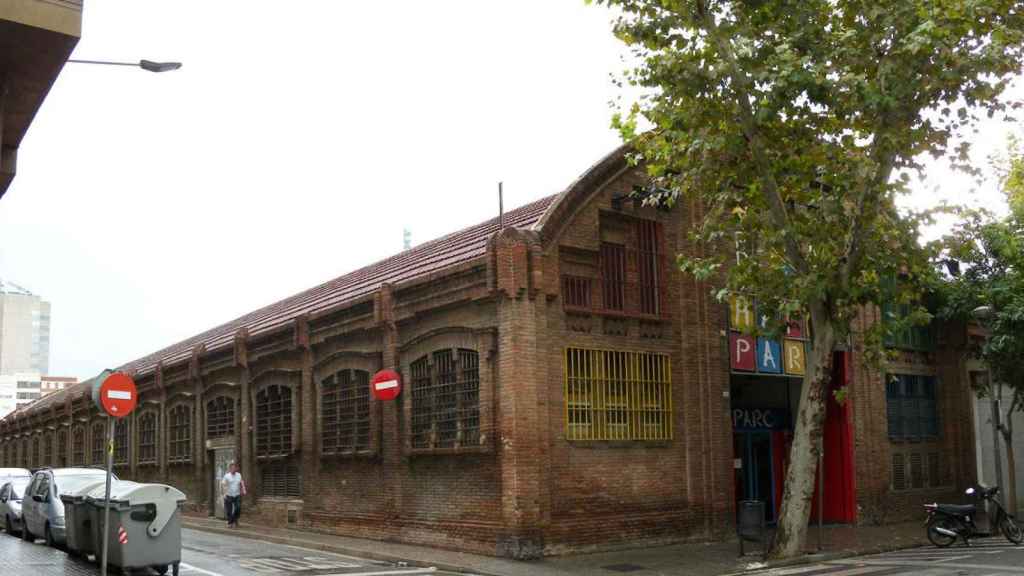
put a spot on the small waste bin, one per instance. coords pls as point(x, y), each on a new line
point(77, 522)
point(750, 524)
point(145, 525)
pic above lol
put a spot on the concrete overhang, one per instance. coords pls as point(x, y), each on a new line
point(36, 39)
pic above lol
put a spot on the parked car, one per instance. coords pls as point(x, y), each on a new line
point(42, 510)
point(10, 503)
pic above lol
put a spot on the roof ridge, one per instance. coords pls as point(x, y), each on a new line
point(433, 251)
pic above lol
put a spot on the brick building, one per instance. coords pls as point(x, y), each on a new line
point(564, 388)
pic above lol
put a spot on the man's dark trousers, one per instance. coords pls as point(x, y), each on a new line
point(232, 508)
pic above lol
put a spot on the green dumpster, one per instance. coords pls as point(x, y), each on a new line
point(145, 525)
point(77, 522)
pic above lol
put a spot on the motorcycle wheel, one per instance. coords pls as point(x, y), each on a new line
point(937, 538)
point(1012, 530)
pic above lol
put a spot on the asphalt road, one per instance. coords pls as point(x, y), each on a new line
point(986, 557)
point(205, 554)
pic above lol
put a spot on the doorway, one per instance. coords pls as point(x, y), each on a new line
point(755, 478)
point(222, 458)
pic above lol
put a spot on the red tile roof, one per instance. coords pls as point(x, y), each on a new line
point(430, 257)
point(427, 258)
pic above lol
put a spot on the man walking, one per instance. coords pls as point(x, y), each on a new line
point(233, 488)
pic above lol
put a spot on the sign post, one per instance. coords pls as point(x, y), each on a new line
point(115, 395)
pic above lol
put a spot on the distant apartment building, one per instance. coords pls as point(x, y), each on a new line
point(24, 331)
point(19, 389)
point(51, 384)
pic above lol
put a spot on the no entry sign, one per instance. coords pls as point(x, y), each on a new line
point(386, 385)
point(116, 395)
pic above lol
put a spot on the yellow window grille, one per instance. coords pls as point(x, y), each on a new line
point(617, 395)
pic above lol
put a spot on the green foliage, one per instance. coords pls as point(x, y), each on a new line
point(990, 257)
point(797, 124)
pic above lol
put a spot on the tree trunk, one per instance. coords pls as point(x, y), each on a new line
point(791, 531)
point(1011, 464)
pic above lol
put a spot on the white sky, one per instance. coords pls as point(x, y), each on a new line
point(295, 144)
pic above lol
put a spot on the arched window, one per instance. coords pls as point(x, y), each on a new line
point(98, 439)
point(274, 421)
point(26, 457)
point(121, 444)
point(36, 461)
point(220, 417)
point(48, 450)
point(179, 443)
point(62, 448)
point(446, 399)
point(148, 434)
point(78, 446)
point(345, 412)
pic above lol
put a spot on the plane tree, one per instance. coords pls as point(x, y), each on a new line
point(790, 128)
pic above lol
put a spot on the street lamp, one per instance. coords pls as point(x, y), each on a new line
point(144, 64)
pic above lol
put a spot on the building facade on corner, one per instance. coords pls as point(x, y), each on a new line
point(563, 387)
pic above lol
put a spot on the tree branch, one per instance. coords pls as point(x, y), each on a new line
point(867, 199)
point(769, 186)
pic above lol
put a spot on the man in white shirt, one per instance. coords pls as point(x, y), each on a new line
point(233, 488)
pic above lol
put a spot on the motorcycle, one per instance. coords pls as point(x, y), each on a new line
point(947, 522)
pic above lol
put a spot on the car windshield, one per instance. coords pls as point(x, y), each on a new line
point(71, 482)
point(18, 488)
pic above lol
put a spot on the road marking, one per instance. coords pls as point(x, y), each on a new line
point(430, 570)
point(917, 563)
point(800, 570)
point(190, 568)
point(859, 571)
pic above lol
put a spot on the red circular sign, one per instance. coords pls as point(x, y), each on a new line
point(118, 395)
point(386, 385)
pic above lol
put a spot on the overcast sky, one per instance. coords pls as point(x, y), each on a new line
point(295, 144)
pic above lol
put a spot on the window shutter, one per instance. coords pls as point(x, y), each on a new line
point(899, 473)
point(916, 471)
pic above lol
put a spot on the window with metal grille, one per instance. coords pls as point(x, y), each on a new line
point(47, 450)
point(911, 407)
point(446, 400)
point(147, 429)
point(121, 444)
point(35, 452)
point(62, 448)
point(179, 442)
point(274, 421)
point(98, 439)
point(26, 457)
point(910, 337)
point(649, 264)
point(220, 417)
point(613, 275)
point(78, 446)
point(899, 472)
point(280, 479)
point(616, 395)
point(345, 412)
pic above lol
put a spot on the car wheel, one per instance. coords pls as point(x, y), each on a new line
point(48, 535)
point(8, 526)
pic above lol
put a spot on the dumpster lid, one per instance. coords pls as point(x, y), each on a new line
point(84, 491)
point(133, 493)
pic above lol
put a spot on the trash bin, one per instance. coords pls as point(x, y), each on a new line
point(750, 524)
point(78, 525)
point(145, 525)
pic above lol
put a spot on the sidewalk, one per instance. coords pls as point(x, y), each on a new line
point(710, 559)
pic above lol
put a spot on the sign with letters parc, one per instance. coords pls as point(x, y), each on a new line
point(759, 355)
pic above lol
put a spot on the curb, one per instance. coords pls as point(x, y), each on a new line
point(323, 547)
point(828, 557)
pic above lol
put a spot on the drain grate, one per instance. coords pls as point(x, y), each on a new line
point(623, 567)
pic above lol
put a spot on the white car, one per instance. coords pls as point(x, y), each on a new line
point(11, 494)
